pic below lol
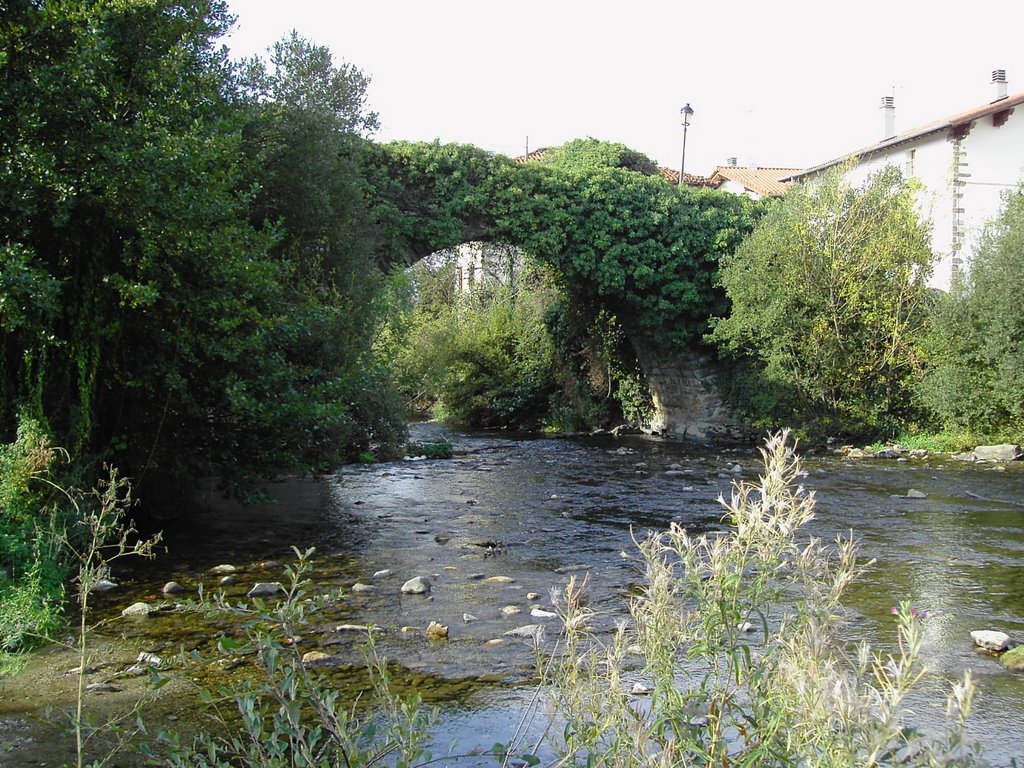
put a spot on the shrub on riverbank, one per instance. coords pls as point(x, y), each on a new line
point(976, 345)
point(31, 571)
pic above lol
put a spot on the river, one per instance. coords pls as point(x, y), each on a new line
point(537, 510)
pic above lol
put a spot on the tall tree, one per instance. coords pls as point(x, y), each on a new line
point(828, 299)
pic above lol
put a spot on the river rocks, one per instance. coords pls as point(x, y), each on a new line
point(469, 617)
point(511, 610)
point(1005, 452)
point(746, 627)
point(498, 580)
point(856, 453)
point(990, 640)
point(417, 585)
point(1013, 659)
point(101, 688)
point(103, 585)
point(317, 659)
point(173, 588)
point(639, 689)
point(138, 609)
point(965, 456)
point(223, 568)
point(736, 469)
point(534, 632)
point(573, 568)
point(533, 595)
point(227, 581)
point(436, 631)
point(360, 587)
point(540, 613)
point(355, 628)
point(890, 452)
point(266, 589)
point(382, 573)
point(149, 659)
point(913, 493)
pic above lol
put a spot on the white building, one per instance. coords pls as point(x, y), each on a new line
point(964, 162)
point(478, 263)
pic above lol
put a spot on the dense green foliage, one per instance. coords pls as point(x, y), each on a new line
point(31, 576)
point(185, 282)
point(975, 349)
point(828, 304)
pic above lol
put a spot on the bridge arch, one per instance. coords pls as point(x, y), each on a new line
point(618, 238)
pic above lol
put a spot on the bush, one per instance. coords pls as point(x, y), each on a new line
point(976, 345)
point(735, 636)
point(828, 305)
point(31, 569)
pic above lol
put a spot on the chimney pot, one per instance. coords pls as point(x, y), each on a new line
point(999, 80)
point(889, 113)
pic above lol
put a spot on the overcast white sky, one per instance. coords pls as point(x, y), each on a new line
point(784, 83)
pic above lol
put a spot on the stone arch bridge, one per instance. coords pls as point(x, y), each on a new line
point(619, 240)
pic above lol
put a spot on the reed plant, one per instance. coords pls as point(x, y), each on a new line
point(734, 653)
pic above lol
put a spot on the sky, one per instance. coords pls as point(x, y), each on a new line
point(781, 84)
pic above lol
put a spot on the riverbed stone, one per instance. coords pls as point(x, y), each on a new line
point(382, 573)
point(1004, 452)
point(101, 688)
point(533, 596)
point(173, 588)
point(104, 585)
point(498, 580)
point(417, 585)
point(436, 631)
point(639, 689)
point(990, 640)
point(227, 581)
point(360, 587)
point(540, 613)
point(316, 659)
point(913, 493)
point(266, 589)
point(469, 617)
point(511, 610)
point(138, 609)
point(533, 631)
point(223, 568)
point(1013, 659)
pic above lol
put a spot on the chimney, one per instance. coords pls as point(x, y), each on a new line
point(889, 112)
point(999, 80)
point(731, 161)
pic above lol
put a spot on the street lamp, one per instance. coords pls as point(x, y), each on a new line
point(687, 113)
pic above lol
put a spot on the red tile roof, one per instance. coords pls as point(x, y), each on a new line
point(763, 181)
point(960, 120)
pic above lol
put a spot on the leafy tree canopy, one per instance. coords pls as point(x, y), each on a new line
point(828, 298)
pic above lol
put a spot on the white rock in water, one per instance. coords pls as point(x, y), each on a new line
point(533, 595)
point(149, 659)
point(746, 626)
point(382, 573)
point(498, 580)
point(137, 609)
point(437, 631)
point(103, 585)
point(354, 628)
point(990, 640)
point(468, 617)
point(913, 493)
point(173, 588)
point(359, 587)
point(417, 585)
point(639, 689)
point(511, 610)
point(223, 568)
point(540, 613)
point(532, 631)
point(266, 589)
point(1005, 452)
point(316, 658)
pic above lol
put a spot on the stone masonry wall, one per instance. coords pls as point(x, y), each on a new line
point(684, 387)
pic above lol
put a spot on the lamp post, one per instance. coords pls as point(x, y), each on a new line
point(687, 113)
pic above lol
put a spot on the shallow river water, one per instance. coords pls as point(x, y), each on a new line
point(538, 510)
